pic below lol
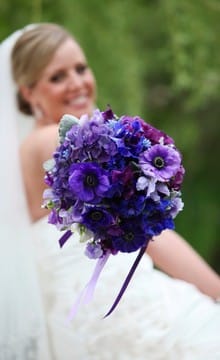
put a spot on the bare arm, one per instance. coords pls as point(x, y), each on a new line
point(173, 255)
point(38, 148)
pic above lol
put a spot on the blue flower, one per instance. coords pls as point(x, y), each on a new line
point(156, 217)
point(121, 183)
point(133, 237)
point(97, 218)
point(88, 181)
point(130, 207)
point(129, 137)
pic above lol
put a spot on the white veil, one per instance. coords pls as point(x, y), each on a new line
point(22, 323)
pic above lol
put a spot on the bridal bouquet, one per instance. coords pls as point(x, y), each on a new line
point(117, 181)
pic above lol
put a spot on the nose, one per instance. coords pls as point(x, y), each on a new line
point(75, 81)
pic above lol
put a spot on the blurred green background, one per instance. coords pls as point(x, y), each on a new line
point(159, 60)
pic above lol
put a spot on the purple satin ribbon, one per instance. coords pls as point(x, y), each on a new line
point(65, 237)
point(87, 293)
point(128, 279)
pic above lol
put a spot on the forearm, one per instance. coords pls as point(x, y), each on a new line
point(173, 255)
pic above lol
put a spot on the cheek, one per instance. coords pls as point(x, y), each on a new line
point(92, 84)
point(49, 95)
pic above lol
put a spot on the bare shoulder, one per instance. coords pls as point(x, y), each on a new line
point(40, 144)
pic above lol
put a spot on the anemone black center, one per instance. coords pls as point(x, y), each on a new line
point(96, 215)
point(91, 180)
point(159, 162)
point(131, 140)
point(129, 236)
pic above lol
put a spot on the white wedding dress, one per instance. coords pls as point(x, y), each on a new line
point(157, 318)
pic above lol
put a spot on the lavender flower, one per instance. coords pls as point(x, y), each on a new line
point(160, 161)
point(93, 250)
point(176, 206)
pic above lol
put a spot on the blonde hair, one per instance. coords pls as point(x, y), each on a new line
point(32, 53)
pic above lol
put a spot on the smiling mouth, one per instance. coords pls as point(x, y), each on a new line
point(78, 101)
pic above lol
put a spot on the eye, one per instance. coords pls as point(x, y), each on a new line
point(57, 77)
point(81, 68)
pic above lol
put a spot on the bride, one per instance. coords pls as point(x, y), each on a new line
point(161, 316)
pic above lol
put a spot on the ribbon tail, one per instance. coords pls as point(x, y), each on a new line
point(76, 305)
point(65, 237)
point(87, 293)
point(90, 287)
point(128, 279)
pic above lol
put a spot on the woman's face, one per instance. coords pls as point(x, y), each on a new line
point(66, 86)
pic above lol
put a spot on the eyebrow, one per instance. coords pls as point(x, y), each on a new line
point(51, 72)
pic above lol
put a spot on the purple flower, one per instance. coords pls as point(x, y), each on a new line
point(160, 161)
point(133, 237)
point(130, 207)
point(176, 206)
point(92, 140)
point(93, 250)
point(129, 137)
point(146, 183)
point(155, 135)
point(50, 200)
point(156, 217)
point(108, 114)
point(53, 217)
point(177, 180)
point(88, 181)
point(96, 218)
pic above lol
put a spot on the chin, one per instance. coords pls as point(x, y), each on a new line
point(81, 111)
